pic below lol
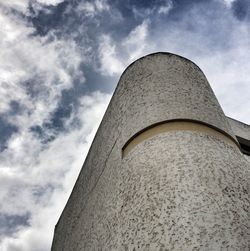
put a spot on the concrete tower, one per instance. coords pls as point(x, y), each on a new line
point(165, 170)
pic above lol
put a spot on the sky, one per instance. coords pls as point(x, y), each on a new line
point(60, 61)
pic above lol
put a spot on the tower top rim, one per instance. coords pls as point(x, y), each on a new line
point(170, 54)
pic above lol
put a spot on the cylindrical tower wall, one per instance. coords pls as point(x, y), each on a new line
point(164, 171)
point(163, 87)
point(185, 190)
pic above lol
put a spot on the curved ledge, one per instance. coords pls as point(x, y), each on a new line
point(176, 125)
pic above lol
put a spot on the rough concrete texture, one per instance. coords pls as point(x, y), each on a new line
point(240, 129)
point(179, 190)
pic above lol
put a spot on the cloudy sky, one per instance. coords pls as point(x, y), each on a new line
point(59, 64)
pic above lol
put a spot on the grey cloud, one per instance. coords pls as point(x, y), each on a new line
point(241, 9)
point(6, 131)
point(9, 224)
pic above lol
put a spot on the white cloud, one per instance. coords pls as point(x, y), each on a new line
point(164, 9)
point(20, 5)
point(49, 2)
point(92, 8)
point(115, 56)
point(101, 5)
point(23, 58)
point(136, 41)
point(110, 63)
point(228, 3)
point(37, 178)
point(54, 167)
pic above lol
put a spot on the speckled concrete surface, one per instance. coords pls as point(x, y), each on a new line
point(240, 129)
point(178, 190)
point(189, 191)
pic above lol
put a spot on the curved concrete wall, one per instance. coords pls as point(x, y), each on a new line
point(163, 87)
point(178, 189)
point(240, 129)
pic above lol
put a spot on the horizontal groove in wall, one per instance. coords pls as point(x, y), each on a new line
point(175, 125)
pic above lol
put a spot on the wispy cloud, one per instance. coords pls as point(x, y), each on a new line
point(166, 7)
point(36, 177)
point(50, 2)
point(110, 64)
point(114, 56)
point(210, 35)
point(135, 43)
point(229, 2)
point(93, 8)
